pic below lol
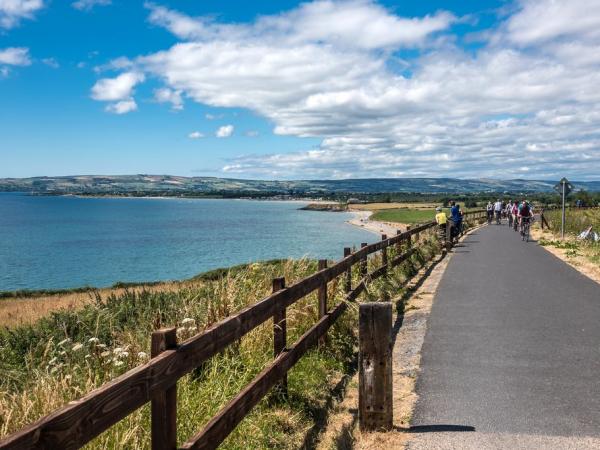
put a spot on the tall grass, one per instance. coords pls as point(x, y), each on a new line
point(65, 355)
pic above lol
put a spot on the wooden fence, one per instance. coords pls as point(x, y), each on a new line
point(82, 420)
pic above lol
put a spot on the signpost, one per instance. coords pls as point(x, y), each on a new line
point(564, 187)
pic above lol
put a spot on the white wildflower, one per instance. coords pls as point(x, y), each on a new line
point(181, 330)
point(123, 355)
point(188, 320)
point(118, 363)
point(77, 347)
point(142, 355)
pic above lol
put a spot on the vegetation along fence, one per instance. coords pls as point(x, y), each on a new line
point(156, 381)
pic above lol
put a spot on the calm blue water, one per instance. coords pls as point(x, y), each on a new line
point(62, 242)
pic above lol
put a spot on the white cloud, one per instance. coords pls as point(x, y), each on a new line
point(122, 107)
point(15, 56)
point(13, 11)
point(119, 88)
point(195, 135)
point(87, 5)
point(225, 131)
point(527, 98)
point(332, 22)
point(51, 62)
point(166, 95)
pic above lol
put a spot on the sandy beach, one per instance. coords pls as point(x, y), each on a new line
point(362, 219)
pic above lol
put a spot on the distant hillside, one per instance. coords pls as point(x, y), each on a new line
point(173, 185)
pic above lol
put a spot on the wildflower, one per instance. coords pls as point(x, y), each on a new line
point(142, 355)
point(77, 347)
point(93, 340)
point(123, 355)
point(118, 363)
point(188, 320)
point(64, 341)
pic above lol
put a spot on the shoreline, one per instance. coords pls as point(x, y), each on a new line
point(362, 220)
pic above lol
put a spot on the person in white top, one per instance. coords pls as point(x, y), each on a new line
point(498, 211)
point(490, 212)
point(508, 211)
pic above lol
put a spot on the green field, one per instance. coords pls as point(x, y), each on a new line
point(405, 215)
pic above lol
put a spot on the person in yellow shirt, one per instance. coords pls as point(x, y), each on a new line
point(441, 220)
point(440, 217)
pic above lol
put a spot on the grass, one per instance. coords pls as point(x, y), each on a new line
point(66, 354)
point(576, 222)
point(404, 215)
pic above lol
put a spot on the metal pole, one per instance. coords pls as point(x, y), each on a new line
point(562, 225)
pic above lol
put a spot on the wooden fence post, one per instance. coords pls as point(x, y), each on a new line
point(363, 262)
point(164, 404)
point(409, 240)
point(399, 244)
point(375, 400)
point(384, 254)
point(280, 334)
point(322, 301)
point(348, 282)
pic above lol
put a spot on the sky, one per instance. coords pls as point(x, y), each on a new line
point(301, 90)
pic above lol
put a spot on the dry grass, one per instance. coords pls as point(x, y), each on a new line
point(26, 310)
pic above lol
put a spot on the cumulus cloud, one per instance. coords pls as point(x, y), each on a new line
point(525, 102)
point(15, 56)
point(13, 11)
point(224, 131)
point(166, 95)
point(122, 107)
point(195, 135)
point(116, 88)
point(87, 5)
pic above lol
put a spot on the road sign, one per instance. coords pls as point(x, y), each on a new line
point(563, 188)
point(567, 184)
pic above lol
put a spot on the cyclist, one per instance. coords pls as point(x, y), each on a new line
point(490, 212)
point(456, 218)
point(515, 215)
point(508, 213)
point(525, 215)
point(498, 211)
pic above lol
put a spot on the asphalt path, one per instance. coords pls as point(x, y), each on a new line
point(511, 358)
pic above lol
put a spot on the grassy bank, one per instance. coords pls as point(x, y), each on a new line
point(68, 353)
point(576, 222)
point(404, 215)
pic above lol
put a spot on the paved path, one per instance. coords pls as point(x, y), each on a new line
point(512, 351)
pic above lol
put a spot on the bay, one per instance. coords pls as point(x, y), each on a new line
point(64, 242)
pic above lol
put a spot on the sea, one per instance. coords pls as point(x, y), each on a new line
point(60, 242)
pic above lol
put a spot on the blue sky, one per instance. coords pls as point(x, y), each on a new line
point(324, 89)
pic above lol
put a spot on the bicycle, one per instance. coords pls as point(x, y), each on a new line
point(510, 220)
point(525, 225)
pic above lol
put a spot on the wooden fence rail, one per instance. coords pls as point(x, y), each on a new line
point(81, 420)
